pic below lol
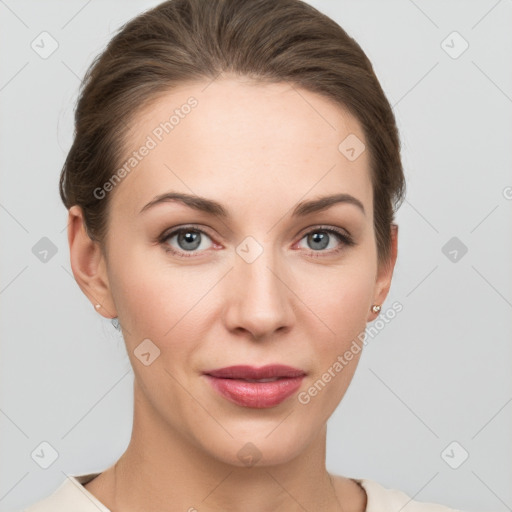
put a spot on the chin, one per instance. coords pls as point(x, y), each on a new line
point(269, 446)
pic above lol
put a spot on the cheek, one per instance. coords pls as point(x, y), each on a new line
point(343, 305)
point(140, 293)
point(341, 299)
point(156, 300)
point(349, 310)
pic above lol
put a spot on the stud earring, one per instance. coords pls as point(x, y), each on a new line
point(376, 308)
point(98, 306)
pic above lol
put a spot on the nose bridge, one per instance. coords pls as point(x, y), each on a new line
point(256, 274)
point(260, 300)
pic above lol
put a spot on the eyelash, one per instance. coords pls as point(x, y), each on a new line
point(346, 240)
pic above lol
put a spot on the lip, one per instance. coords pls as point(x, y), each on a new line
point(268, 371)
point(230, 384)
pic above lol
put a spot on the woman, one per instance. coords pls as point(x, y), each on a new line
point(231, 191)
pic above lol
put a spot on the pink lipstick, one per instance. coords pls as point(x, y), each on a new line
point(259, 388)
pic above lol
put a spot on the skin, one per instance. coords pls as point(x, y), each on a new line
point(280, 145)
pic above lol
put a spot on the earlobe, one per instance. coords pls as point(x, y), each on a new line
point(385, 274)
point(88, 264)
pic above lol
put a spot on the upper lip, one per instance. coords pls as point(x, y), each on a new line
point(251, 372)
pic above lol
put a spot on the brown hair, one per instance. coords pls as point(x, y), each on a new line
point(185, 40)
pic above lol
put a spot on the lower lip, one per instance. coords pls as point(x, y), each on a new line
point(258, 395)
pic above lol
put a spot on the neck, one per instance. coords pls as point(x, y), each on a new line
point(163, 467)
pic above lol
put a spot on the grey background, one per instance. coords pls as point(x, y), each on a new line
point(438, 373)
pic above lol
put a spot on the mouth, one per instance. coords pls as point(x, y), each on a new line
point(258, 388)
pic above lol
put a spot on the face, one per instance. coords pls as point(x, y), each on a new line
point(268, 281)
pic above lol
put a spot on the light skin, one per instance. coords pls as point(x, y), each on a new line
point(258, 150)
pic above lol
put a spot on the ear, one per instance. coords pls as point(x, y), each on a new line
point(88, 264)
point(385, 273)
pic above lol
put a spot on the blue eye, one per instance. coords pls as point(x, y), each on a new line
point(320, 238)
point(190, 241)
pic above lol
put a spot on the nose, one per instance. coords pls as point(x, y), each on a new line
point(259, 299)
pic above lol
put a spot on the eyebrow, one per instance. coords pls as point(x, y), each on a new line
point(216, 209)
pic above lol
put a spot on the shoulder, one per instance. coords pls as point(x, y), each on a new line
point(70, 495)
point(381, 498)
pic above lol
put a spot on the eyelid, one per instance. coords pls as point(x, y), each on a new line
point(176, 229)
point(326, 227)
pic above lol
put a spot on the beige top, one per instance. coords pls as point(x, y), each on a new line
point(71, 495)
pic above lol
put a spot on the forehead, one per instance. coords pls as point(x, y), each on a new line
point(242, 143)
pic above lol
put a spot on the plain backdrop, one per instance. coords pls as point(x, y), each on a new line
point(430, 408)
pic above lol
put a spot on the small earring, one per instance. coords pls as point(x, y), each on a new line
point(376, 308)
point(98, 306)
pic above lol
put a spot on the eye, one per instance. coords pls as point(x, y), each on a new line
point(187, 239)
point(330, 238)
point(190, 241)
